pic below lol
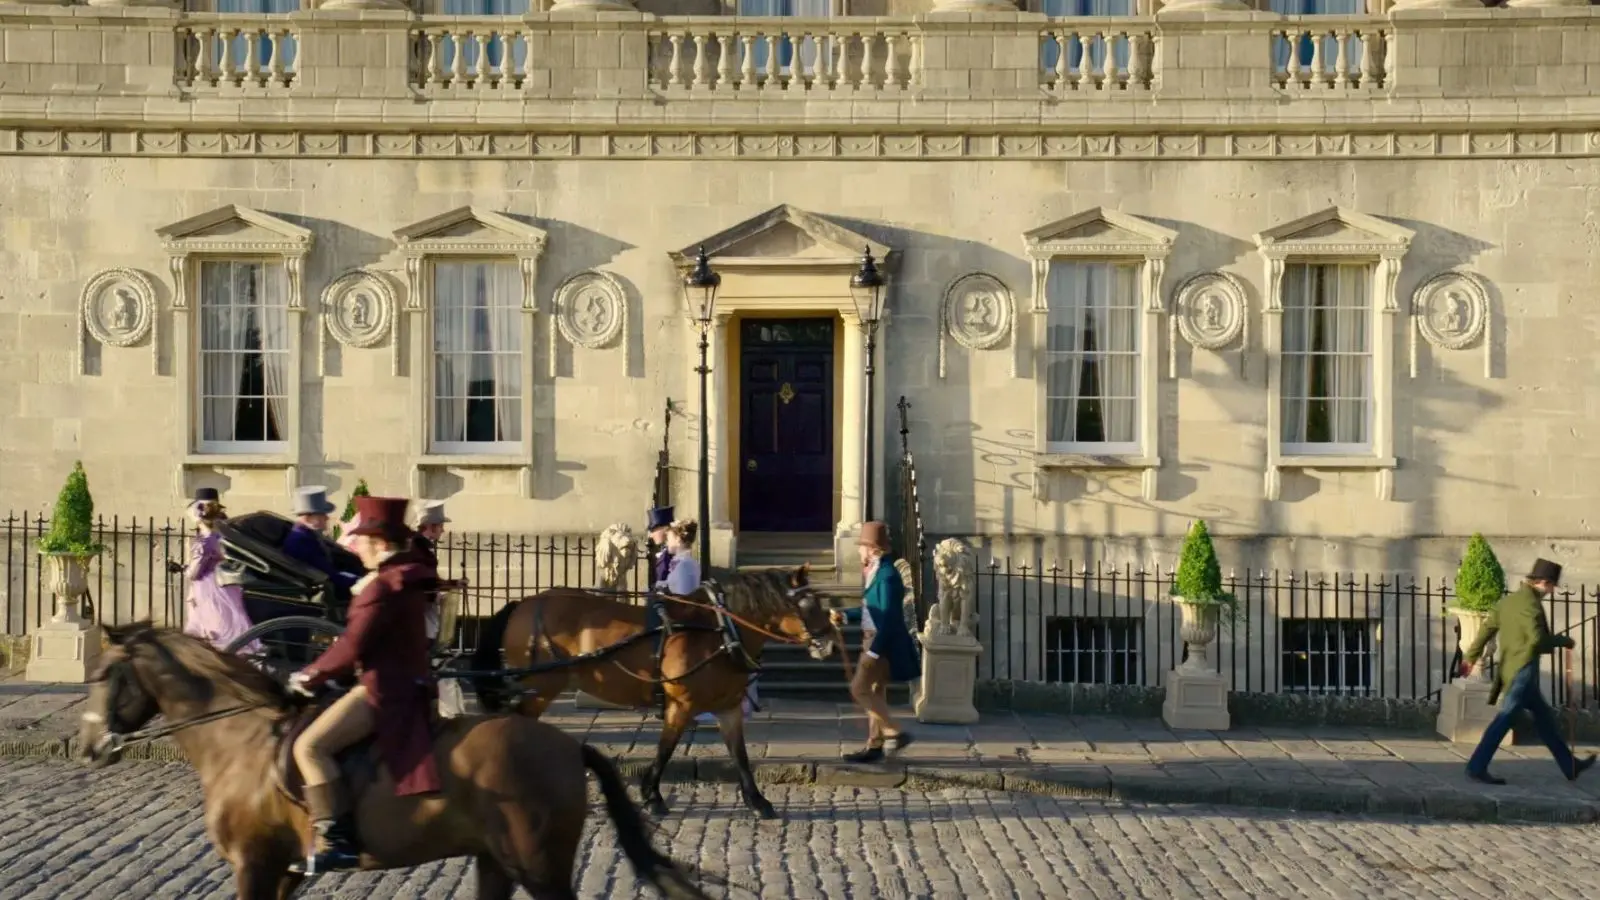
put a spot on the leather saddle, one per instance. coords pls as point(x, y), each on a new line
point(358, 764)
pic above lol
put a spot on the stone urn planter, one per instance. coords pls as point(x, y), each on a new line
point(1198, 630)
point(1472, 624)
point(68, 575)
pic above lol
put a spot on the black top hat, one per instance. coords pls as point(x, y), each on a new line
point(1545, 570)
point(204, 494)
point(660, 517)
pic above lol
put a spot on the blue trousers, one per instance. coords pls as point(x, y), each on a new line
point(1523, 693)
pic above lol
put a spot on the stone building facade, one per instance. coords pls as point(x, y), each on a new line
point(1319, 279)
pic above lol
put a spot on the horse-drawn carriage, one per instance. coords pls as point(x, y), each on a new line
point(297, 609)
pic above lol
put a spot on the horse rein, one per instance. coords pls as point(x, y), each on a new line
point(116, 741)
point(838, 634)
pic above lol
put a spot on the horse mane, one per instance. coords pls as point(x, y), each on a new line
point(761, 594)
point(198, 661)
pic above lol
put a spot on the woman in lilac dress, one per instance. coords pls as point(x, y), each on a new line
point(214, 611)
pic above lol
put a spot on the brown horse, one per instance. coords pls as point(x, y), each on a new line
point(700, 662)
point(515, 796)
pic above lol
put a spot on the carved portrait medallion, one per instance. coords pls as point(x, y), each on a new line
point(1451, 309)
point(118, 307)
point(358, 308)
point(590, 309)
point(978, 313)
point(1210, 310)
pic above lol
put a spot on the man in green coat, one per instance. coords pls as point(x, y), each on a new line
point(1524, 635)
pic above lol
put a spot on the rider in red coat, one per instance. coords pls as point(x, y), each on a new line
point(386, 646)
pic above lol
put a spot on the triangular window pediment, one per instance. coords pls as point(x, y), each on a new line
point(471, 231)
point(1100, 232)
point(781, 235)
point(236, 229)
point(1335, 231)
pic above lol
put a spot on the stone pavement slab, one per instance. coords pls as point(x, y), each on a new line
point(135, 831)
point(1321, 768)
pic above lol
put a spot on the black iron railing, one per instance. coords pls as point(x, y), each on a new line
point(912, 536)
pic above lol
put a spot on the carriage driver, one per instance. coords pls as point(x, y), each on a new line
point(387, 646)
point(304, 542)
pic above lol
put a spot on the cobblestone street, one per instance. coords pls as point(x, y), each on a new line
point(134, 831)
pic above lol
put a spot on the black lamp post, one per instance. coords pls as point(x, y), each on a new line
point(700, 287)
point(866, 289)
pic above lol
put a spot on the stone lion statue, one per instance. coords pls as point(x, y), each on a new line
point(616, 552)
point(952, 568)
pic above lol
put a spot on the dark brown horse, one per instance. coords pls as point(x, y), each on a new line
point(702, 663)
point(515, 796)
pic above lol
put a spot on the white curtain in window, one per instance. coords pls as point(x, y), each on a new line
point(220, 366)
point(1092, 353)
point(1327, 358)
point(273, 315)
point(477, 352)
point(504, 286)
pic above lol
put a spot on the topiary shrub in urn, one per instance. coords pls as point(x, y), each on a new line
point(1199, 592)
point(1480, 583)
point(350, 507)
point(69, 545)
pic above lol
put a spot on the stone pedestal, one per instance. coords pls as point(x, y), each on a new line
point(949, 668)
point(1196, 700)
point(64, 650)
point(1197, 696)
point(1464, 711)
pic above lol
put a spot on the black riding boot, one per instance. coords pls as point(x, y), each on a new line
point(333, 849)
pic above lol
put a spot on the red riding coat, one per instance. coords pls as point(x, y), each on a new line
point(386, 643)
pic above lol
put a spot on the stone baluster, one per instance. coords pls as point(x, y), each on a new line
point(675, 61)
point(747, 68)
point(1139, 57)
point(458, 62)
point(485, 74)
point(1341, 63)
point(1389, 58)
point(276, 70)
point(436, 52)
point(869, 61)
point(1291, 69)
point(1319, 65)
point(230, 63)
point(1061, 68)
point(774, 46)
point(1374, 45)
point(702, 77)
point(891, 61)
point(725, 45)
point(253, 46)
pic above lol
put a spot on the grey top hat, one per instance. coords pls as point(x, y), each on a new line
point(312, 500)
point(431, 513)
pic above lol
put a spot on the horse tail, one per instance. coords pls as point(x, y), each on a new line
point(650, 864)
point(486, 657)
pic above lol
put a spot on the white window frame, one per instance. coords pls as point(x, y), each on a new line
point(218, 236)
point(1335, 236)
point(1337, 448)
point(199, 350)
point(1102, 235)
point(467, 235)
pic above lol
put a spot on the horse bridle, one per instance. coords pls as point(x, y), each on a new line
point(114, 741)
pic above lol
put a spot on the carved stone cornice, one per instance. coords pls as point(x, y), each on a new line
point(319, 141)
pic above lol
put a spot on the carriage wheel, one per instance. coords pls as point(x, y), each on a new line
point(287, 644)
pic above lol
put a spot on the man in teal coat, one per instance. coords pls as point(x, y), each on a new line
point(1525, 635)
point(888, 651)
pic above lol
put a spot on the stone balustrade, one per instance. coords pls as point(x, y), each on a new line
point(599, 69)
point(227, 52)
point(783, 56)
point(480, 54)
point(1331, 55)
point(1097, 58)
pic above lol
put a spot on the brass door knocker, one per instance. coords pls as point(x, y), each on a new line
point(786, 393)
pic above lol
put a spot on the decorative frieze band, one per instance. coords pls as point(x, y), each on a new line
point(1502, 144)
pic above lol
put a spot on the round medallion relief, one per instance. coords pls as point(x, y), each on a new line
point(358, 307)
point(1451, 309)
point(118, 307)
point(1210, 310)
point(978, 311)
point(590, 309)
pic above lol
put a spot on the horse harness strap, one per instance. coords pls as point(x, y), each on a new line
point(115, 741)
